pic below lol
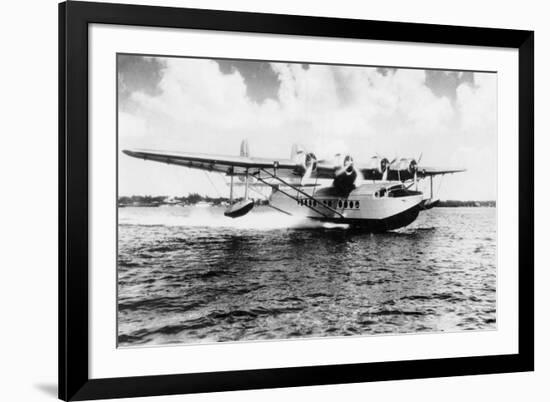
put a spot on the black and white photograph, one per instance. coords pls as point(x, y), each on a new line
point(275, 201)
point(271, 200)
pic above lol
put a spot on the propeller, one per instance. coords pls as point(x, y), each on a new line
point(416, 163)
point(387, 168)
point(345, 173)
point(307, 175)
point(310, 164)
point(346, 166)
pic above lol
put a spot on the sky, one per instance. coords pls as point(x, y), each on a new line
point(210, 105)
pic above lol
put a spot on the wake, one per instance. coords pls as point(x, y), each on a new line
point(258, 219)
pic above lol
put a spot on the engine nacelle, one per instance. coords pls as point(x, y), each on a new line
point(407, 164)
point(306, 163)
point(403, 169)
point(345, 174)
point(376, 167)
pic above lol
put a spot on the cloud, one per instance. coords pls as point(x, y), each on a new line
point(260, 79)
point(138, 73)
point(198, 107)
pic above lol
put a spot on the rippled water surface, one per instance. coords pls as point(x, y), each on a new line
point(188, 274)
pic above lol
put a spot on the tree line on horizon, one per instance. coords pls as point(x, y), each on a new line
point(194, 198)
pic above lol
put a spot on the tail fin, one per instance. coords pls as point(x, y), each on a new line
point(245, 151)
point(295, 151)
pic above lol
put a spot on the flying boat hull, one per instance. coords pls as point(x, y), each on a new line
point(368, 207)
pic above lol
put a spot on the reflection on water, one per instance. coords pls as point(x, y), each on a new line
point(192, 275)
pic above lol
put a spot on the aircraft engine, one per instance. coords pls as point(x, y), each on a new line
point(345, 174)
point(404, 168)
point(307, 164)
point(376, 167)
point(409, 165)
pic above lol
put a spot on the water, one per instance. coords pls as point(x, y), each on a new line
point(188, 275)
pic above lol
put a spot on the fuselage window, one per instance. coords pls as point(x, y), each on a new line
point(339, 203)
point(356, 204)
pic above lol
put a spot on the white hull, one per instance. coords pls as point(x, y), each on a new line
point(363, 206)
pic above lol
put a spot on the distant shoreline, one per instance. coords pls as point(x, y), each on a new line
point(194, 199)
point(471, 204)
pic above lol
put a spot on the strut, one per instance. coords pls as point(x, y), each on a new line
point(306, 195)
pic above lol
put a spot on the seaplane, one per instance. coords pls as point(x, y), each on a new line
point(377, 196)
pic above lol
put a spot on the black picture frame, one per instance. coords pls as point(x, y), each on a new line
point(74, 18)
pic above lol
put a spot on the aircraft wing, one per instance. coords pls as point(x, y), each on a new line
point(431, 171)
point(369, 173)
point(236, 165)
